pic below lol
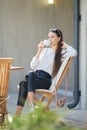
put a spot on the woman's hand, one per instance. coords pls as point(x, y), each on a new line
point(64, 45)
point(41, 46)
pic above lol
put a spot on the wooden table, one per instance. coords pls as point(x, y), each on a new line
point(16, 68)
point(5, 68)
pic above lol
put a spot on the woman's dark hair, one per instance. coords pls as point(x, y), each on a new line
point(57, 58)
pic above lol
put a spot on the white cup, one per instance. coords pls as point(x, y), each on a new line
point(47, 42)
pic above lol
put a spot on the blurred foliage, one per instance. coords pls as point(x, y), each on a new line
point(38, 120)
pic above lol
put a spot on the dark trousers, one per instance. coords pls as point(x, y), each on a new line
point(34, 80)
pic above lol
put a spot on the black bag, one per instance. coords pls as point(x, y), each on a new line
point(60, 102)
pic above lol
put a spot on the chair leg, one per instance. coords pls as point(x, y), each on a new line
point(36, 100)
point(46, 107)
point(42, 98)
point(48, 103)
point(1, 118)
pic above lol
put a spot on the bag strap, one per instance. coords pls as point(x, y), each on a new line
point(66, 87)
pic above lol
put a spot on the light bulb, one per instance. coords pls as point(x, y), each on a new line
point(50, 1)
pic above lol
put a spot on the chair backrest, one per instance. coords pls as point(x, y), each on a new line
point(4, 75)
point(61, 73)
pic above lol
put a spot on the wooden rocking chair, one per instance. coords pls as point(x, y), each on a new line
point(49, 94)
point(4, 80)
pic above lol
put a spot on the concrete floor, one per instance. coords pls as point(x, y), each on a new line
point(74, 118)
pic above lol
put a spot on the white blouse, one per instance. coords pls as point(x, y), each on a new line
point(46, 59)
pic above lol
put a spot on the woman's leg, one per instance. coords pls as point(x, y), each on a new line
point(30, 97)
point(30, 87)
point(21, 97)
point(34, 83)
point(18, 110)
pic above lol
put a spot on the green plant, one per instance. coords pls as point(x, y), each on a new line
point(38, 120)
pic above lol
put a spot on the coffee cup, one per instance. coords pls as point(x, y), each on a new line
point(47, 42)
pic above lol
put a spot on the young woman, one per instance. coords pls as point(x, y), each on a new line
point(45, 65)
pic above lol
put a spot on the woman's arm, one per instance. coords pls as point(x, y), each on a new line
point(70, 50)
point(35, 61)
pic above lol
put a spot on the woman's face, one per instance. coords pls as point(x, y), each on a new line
point(53, 38)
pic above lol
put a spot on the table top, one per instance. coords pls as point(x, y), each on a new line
point(16, 68)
